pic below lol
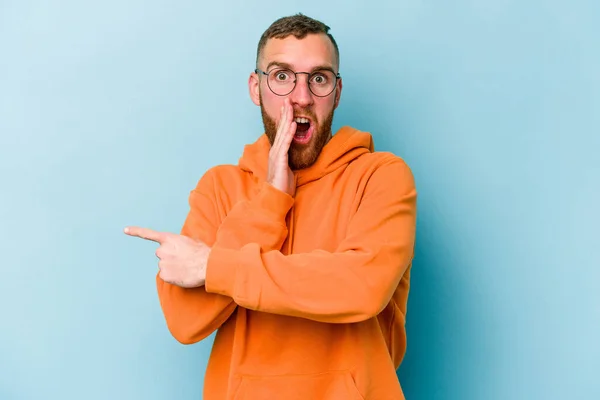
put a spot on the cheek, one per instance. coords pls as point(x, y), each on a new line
point(272, 104)
point(323, 108)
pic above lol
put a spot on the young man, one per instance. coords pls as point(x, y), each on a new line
point(300, 255)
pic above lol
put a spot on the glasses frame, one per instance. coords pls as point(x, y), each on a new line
point(308, 74)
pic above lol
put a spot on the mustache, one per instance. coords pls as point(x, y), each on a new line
point(305, 112)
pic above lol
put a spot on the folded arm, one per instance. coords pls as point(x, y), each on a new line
point(351, 284)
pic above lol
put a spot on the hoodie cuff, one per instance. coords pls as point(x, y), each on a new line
point(273, 201)
point(221, 271)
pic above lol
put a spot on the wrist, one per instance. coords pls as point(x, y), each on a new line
point(202, 264)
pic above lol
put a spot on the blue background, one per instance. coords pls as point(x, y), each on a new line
point(111, 111)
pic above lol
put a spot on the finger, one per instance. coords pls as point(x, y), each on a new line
point(285, 129)
point(288, 134)
point(287, 116)
point(282, 122)
point(145, 233)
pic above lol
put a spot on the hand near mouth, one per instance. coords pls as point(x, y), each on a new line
point(279, 173)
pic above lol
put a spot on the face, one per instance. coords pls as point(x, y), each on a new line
point(309, 54)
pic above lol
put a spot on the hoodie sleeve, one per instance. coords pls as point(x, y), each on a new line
point(193, 314)
point(352, 284)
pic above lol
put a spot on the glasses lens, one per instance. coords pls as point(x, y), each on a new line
point(281, 81)
point(322, 82)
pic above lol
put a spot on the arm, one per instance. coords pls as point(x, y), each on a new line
point(193, 314)
point(353, 283)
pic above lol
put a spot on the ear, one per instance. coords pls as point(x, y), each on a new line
point(254, 88)
point(338, 93)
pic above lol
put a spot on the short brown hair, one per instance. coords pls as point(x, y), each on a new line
point(298, 25)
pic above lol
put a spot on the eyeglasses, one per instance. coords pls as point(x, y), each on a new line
point(282, 81)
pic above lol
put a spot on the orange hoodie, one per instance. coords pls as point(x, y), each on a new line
point(308, 293)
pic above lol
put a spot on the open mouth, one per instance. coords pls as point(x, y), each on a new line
point(304, 130)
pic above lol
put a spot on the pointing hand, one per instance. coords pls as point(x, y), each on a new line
point(182, 261)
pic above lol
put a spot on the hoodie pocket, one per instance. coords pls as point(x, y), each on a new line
point(325, 386)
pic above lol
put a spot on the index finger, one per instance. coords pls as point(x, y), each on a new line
point(145, 233)
point(282, 118)
point(286, 129)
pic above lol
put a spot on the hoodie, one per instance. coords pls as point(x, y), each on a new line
point(308, 294)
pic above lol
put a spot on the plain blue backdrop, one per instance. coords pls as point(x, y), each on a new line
point(111, 111)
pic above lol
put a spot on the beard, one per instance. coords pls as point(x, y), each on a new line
point(301, 156)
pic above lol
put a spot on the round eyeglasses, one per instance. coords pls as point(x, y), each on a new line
point(282, 81)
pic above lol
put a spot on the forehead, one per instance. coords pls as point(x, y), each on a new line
point(302, 54)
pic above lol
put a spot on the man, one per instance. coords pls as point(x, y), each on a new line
point(300, 255)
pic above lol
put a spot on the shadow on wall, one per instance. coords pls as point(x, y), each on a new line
point(450, 322)
point(427, 360)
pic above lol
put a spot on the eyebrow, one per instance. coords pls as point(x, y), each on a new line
point(288, 66)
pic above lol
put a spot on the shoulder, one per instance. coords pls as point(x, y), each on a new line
point(225, 185)
point(218, 177)
point(384, 166)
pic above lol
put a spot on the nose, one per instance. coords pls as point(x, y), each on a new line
point(301, 95)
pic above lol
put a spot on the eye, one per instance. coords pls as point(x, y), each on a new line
point(319, 78)
point(281, 76)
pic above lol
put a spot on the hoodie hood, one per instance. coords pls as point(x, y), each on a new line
point(345, 145)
